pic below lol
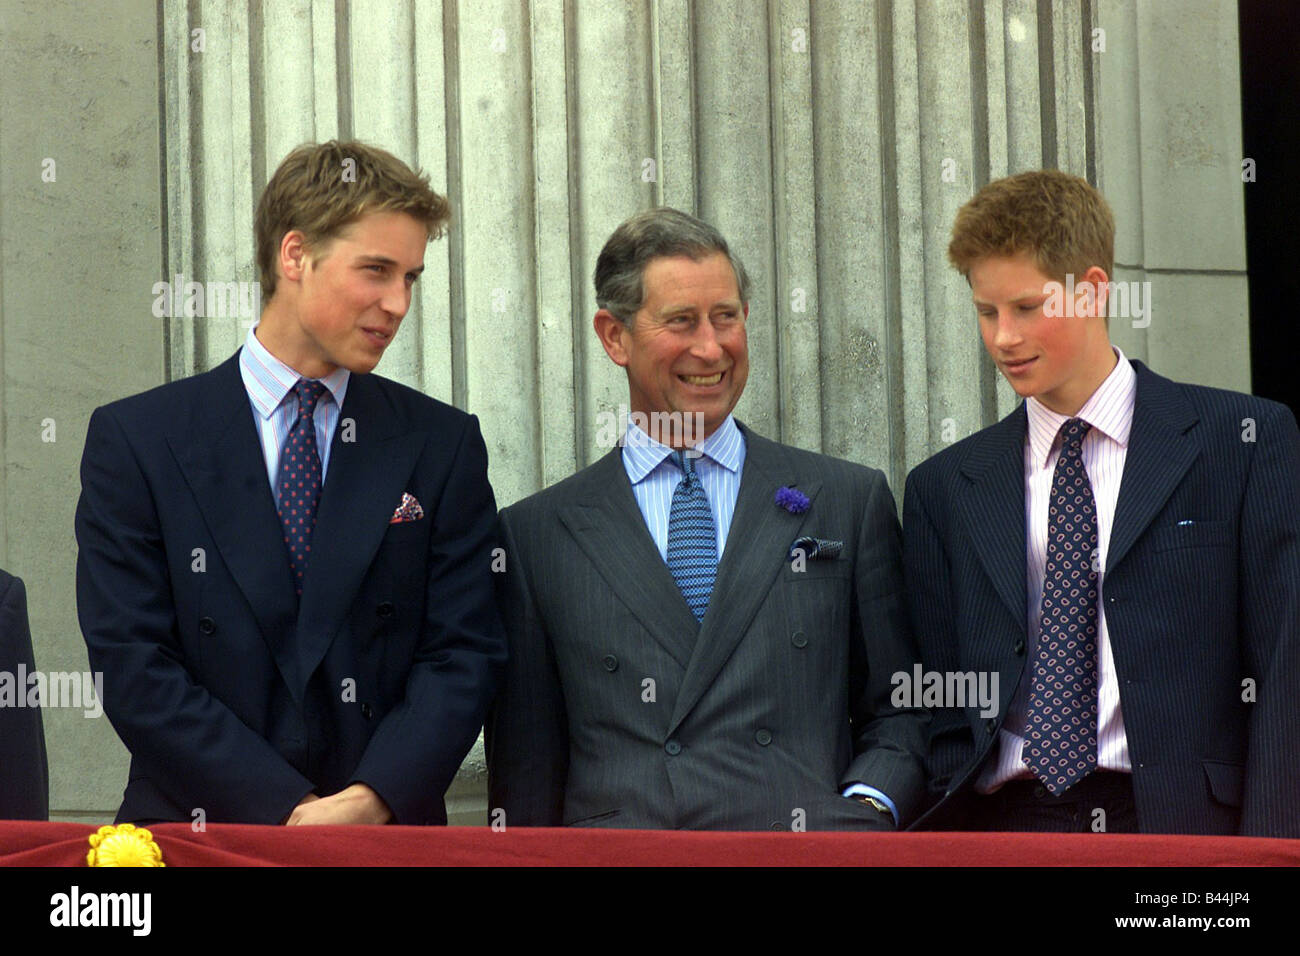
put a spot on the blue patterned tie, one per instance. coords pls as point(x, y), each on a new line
point(692, 539)
point(1061, 732)
point(298, 490)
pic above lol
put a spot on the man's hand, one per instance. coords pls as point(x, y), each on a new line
point(357, 804)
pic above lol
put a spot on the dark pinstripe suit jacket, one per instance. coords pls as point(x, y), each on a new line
point(620, 711)
point(1202, 593)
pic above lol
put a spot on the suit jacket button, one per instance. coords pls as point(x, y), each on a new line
point(207, 625)
point(991, 725)
point(384, 609)
point(798, 640)
point(764, 737)
point(673, 748)
point(610, 662)
point(367, 712)
point(1020, 647)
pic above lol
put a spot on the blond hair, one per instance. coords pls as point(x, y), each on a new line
point(320, 188)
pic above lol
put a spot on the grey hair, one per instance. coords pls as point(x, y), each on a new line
point(649, 235)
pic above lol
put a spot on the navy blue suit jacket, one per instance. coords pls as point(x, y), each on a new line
point(24, 773)
point(1201, 597)
point(234, 699)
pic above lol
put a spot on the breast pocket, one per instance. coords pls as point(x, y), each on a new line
point(1196, 534)
point(817, 570)
point(403, 548)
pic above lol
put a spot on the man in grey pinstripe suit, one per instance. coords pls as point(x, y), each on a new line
point(703, 624)
point(1175, 511)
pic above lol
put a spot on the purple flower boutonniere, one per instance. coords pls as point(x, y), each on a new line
point(792, 500)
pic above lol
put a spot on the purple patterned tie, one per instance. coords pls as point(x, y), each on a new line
point(1061, 726)
point(298, 490)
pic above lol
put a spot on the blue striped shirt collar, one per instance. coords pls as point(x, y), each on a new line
point(269, 381)
point(642, 454)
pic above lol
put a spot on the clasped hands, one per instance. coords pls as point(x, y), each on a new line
point(356, 804)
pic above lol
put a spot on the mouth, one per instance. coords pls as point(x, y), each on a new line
point(379, 337)
point(1018, 366)
point(703, 381)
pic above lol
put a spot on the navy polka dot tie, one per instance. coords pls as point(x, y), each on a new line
point(1061, 733)
point(692, 539)
point(298, 490)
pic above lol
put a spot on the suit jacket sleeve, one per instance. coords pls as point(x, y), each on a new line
point(889, 741)
point(928, 580)
point(527, 734)
point(415, 752)
point(1269, 616)
point(24, 773)
point(192, 745)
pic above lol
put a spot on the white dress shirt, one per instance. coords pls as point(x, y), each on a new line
point(1110, 413)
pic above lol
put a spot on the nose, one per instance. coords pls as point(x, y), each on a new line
point(396, 298)
point(1006, 336)
point(706, 346)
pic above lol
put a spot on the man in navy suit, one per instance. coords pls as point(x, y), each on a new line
point(1122, 552)
point(24, 773)
point(285, 563)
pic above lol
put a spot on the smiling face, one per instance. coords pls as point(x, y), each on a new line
point(1060, 359)
point(339, 306)
point(686, 350)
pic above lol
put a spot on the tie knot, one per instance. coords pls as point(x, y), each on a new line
point(1072, 432)
point(685, 462)
point(309, 392)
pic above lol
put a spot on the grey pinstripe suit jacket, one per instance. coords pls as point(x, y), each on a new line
point(620, 711)
point(1202, 592)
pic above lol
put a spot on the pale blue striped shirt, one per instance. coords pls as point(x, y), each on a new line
point(269, 383)
point(654, 476)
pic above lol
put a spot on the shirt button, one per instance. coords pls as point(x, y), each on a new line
point(1020, 647)
point(610, 662)
point(367, 712)
point(207, 625)
point(764, 737)
point(991, 726)
point(384, 609)
point(798, 640)
point(673, 748)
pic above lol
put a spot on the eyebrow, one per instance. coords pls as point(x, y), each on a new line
point(385, 261)
point(1015, 298)
point(733, 304)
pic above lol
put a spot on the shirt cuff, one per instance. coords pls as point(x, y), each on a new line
point(861, 789)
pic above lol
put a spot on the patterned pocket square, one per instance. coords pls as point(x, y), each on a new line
point(816, 549)
point(408, 510)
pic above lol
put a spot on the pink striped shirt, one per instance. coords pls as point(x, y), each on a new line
point(1110, 413)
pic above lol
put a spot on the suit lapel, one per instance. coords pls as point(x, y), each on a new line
point(993, 505)
point(220, 455)
point(758, 545)
point(607, 524)
point(364, 484)
point(1159, 454)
